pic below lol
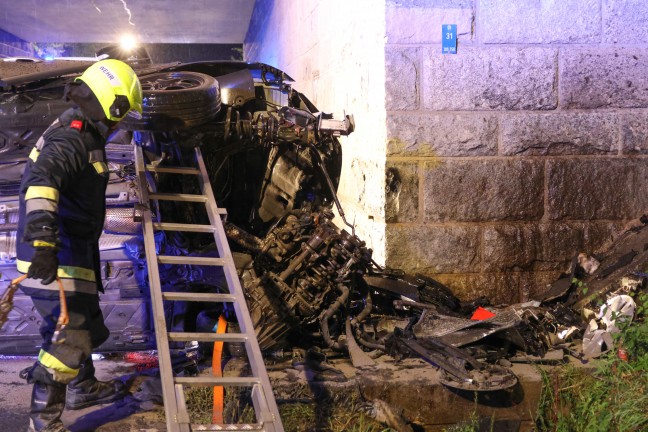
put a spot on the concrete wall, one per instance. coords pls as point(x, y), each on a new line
point(335, 52)
point(502, 161)
point(12, 46)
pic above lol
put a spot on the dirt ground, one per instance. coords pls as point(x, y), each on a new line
point(409, 387)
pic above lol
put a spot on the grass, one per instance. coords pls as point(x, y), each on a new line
point(612, 397)
point(337, 416)
point(471, 424)
point(236, 405)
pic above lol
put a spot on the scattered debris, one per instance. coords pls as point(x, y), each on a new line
point(598, 334)
point(312, 286)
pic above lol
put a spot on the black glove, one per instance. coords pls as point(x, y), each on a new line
point(44, 265)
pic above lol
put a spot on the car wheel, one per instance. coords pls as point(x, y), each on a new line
point(175, 100)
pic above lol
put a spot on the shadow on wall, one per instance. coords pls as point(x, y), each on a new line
point(6, 37)
point(13, 46)
point(258, 47)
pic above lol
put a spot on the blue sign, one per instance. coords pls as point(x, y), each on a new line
point(449, 38)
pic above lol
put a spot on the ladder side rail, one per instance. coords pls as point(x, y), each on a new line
point(234, 285)
point(182, 417)
point(164, 356)
point(260, 403)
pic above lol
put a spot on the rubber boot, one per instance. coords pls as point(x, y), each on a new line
point(85, 390)
point(47, 406)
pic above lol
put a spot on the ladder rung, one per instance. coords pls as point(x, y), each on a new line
point(206, 261)
point(229, 427)
point(170, 226)
point(218, 381)
point(175, 407)
point(178, 197)
point(172, 170)
point(207, 337)
point(204, 297)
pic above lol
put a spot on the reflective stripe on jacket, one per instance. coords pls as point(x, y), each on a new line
point(62, 202)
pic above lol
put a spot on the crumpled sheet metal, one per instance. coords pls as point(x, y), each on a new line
point(462, 331)
point(597, 340)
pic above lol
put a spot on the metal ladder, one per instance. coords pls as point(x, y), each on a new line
point(177, 417)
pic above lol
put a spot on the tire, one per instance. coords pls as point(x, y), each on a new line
point(175, 100)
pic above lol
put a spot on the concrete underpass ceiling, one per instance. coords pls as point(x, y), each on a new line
point(149, 21)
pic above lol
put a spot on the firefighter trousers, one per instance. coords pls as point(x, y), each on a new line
point(85, 331)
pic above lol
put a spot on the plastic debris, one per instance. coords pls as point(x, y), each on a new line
point(597, 339)
point(481, 314)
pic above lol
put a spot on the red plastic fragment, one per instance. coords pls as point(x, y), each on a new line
point(481, 314)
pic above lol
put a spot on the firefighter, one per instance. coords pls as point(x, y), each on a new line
point(62, 209)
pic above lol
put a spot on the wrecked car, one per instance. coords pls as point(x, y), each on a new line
point(275, 163)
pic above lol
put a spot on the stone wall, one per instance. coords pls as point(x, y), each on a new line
point(523, 149)
point(500, 162)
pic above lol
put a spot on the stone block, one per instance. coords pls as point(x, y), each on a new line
point(596, 189)
point(499, 288)
point(432, 249)
point(401, 192)
point(420, 22)
point(415, 392)
point(535, 285)
point(559, 244)
point(595, 237)
point(625, 22)
point(531, 247)
point(483, 190)
point(441, 134)
point(559, 134)
point(604, 78)
point(634, 133)
point(401, 78)
point(599, 235)
point(566, 21)
point(497, 78)
point(510, 247)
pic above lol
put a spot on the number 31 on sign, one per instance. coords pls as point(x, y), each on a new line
point(449, 38)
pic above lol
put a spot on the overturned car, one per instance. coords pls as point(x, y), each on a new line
point(274, 162)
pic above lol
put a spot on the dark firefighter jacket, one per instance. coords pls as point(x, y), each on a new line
point(62, 203)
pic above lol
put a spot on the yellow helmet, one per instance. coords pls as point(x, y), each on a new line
point(115, 86)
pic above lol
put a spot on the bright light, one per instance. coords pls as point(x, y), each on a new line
point(128, 42)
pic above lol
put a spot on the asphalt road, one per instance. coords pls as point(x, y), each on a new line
point(128, 415)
